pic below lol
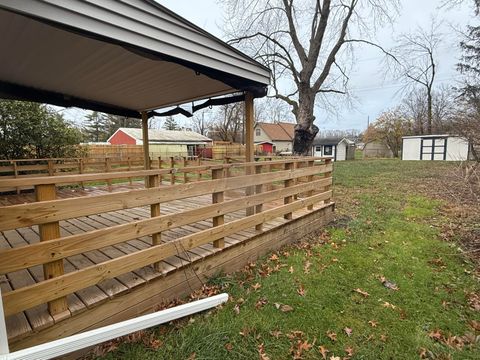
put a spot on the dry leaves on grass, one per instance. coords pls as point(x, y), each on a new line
point(331, 335)
point(361, 292)
point(323, 351)
point(388, 305)
point(262, 353)
point(283, 307)
point(348, 331)
point(261, 303)
point(256, 286)
point(301, 290)
point(306, 267)
point(388, 284)
point(373, 323)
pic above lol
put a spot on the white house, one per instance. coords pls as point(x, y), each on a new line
point(435, 147)
point(279, 134)
point(338, 149)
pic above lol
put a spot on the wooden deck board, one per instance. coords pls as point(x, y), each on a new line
point(20, 325)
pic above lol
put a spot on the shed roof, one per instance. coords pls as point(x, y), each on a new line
point(278, 131)
point(327, 140)
point(116, 56)
point(166, 136)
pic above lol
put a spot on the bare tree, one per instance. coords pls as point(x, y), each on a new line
point(200, 123)
point(415, 60)
point(415, 107)
point(306, 46)
point(228, 123)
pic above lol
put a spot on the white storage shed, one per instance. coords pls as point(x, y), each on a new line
point(435, 147)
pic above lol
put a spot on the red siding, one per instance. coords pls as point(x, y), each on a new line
point(120, 138)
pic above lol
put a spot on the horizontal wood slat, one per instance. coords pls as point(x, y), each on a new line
point(27, 256)
point(25, 298)
point(76, 178)
point(23, 215)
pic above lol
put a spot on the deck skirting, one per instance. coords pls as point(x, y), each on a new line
point(182, 281)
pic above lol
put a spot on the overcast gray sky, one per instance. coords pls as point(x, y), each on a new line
point(373, 94)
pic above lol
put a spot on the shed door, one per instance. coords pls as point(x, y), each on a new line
point(433, 149)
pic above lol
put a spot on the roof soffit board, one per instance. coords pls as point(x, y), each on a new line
point(171, 39)
point(92, 69)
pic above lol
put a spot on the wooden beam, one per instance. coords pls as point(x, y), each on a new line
point(58, 307)
point(218, 197)
point(146, 148)
point(249, 146)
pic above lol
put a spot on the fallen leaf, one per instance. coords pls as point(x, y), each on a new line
point(323, 350)
point(276, 333)
point(301, 290)
point(422, 352)
point(388, 305)
point(192, 356)
point(334, 260)
point(155, 344)
point(306, 267)
point(290, 270)
point(388, 284)
point(274, 257)
point(362, 292)
point(261, 303)
point(331, 335)
point(349, 351)
point(348, 331)
point(333, 357)
point(435, 334)
point(261, 352)
point(228, 346)
point(474, 324)
point(372, 323)
point(236, 309)
point(256, 286)
point(286, 308)
point(295, 334)
point(383, 337)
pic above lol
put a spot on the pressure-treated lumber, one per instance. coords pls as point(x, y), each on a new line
point(40, 213)
point(288, 183)
point(218, 197)
point(22, 257)
point(175, 284)
point(45, 291)
point(57, 307)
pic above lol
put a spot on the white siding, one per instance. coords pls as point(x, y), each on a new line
point(457, 149)
point(283, 145)
point(262, 137)
point(411, 149)
point(341, 149)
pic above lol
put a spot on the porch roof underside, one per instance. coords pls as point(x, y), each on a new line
point(115, 56)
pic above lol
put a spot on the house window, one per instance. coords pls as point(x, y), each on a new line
point(257, 132)
point(327, 150)
point(318, 149)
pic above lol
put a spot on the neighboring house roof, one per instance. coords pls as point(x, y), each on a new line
point(428, 136)
point(332, 141)
point(278, 131)
point(165, 136)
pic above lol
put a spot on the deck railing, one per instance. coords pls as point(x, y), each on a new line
point(286, 185)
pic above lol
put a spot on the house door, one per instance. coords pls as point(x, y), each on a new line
point(433, 149)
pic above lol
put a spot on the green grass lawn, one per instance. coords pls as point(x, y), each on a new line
point(333, 285)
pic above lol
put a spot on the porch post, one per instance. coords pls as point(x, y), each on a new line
point(249, 147)
point(146, 150)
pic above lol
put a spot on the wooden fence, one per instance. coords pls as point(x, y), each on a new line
point(286, 185)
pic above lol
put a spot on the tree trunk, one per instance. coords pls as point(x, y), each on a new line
point(305, 130)
point(429, 112)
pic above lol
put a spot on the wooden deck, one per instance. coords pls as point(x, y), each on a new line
point(23, 326)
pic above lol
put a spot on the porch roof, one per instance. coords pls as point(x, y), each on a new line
point(116, 56)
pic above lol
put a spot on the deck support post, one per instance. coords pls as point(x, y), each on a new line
point(310, 163)
point(58, 308)
point(288, 183)
point(150, 181)
point(218, 197)
point(258, 190)
point(327, 175)
point(4, 349)
point(249, 146)
point(145, 140)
